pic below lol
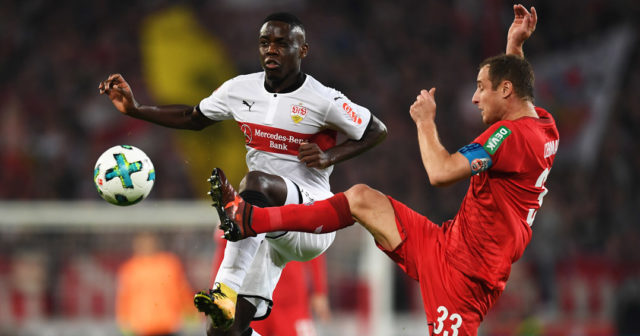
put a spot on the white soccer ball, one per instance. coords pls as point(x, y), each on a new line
point(124, 175)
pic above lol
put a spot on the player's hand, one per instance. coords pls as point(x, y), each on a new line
point(523, 25)
point(312, 156)
point(119, 91)
point(424, 108)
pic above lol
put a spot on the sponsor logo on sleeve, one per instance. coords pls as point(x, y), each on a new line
point(352, 114)
point(298, 112)
point(496, 139)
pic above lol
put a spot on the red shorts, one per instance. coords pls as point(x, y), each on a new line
point(452, 301)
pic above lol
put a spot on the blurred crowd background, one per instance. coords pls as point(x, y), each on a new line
point(581, 273)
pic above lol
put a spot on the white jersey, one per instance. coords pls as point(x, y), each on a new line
point(275, 124)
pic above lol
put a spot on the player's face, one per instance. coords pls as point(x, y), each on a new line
point(281, 49)
point(489, 101)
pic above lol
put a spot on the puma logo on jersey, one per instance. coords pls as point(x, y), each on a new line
point(336, 98)
point(248, 105)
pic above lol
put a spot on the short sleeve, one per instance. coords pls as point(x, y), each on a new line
point(500, 142)
point(216, 107)
point(346, 116)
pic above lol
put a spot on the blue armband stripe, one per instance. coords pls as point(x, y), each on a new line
point(479, 159)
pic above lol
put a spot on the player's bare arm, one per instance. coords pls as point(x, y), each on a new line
point(524, 24)
point(442, 167)
point(174, 116)
point(314, 157)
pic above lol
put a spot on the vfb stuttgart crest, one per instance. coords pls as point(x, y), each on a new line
point(298, 112)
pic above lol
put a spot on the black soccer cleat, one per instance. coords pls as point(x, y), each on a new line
point(219, 304)
point(234, 212)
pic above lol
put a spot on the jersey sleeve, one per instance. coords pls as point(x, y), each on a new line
point(500, 142)
point(346, 116)
point(216, 107)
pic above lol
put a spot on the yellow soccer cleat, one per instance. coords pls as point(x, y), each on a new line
point(219, 304)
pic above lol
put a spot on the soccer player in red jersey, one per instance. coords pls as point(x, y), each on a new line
point(462, 266)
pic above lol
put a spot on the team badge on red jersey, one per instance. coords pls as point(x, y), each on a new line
point(298, 112)
point(479, 165)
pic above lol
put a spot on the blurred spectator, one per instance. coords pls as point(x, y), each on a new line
point(26, 298)
point(153, 295)
point(86, 288)
point(629, 307)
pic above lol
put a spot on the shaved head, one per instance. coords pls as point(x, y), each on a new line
point(294, 23)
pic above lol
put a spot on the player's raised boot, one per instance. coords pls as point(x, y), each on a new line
point(234, 212)
point(219, 304)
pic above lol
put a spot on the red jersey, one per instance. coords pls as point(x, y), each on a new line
point(493, 226)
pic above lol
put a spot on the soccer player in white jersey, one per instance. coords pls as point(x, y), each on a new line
point(290, 122)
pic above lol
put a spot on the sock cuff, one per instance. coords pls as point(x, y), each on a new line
point(340, 203)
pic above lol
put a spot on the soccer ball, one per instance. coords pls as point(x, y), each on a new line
point(124, 175)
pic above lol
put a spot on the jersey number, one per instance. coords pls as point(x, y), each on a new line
point(539, 184)
point(455, 318)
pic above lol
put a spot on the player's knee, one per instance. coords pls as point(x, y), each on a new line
point(257, 180)
point(360, 196)
point(271, 186)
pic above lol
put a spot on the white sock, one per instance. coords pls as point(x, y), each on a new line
point(238, 256)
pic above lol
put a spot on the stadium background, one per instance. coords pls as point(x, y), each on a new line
point(60, 244)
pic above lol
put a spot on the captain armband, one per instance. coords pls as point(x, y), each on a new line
point(479, 159)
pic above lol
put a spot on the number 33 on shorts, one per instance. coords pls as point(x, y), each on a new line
point(454, 321)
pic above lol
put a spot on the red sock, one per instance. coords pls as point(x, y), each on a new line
point(318, 217)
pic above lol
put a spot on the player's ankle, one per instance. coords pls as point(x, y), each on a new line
point(227, 291)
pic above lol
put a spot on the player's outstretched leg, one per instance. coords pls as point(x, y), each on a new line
point(234, 212)
point(219, 304)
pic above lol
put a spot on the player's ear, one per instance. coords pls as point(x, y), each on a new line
point(304, 49)
point(506, 89)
